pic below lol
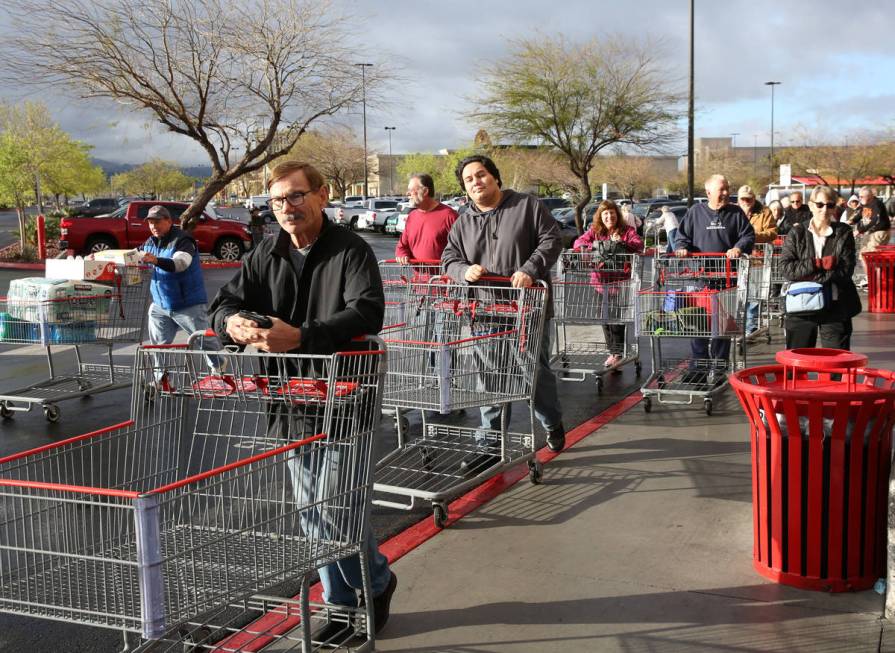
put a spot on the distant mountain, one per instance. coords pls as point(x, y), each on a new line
point(112, 168)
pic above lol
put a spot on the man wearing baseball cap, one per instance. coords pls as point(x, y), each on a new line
point(178, 289)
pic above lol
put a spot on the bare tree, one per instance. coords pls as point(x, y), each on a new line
point(544, 169)
point(579, 99)
point(337, 152)
point(244, 80)
point(633, 176)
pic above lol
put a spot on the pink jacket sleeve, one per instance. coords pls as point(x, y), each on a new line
point(585, 240)
point(632, 241)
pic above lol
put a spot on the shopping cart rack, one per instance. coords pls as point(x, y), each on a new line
point(462, 346)
point(592, 290)
point(104, 315)
point(156, 523)
point(702, 296)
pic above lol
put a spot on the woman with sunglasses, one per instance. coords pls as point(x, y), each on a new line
point(823, 251)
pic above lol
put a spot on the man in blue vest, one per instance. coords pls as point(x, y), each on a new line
point(177, 289)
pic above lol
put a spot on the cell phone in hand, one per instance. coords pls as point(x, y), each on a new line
point(262, 321)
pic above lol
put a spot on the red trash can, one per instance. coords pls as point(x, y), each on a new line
point(821, 434)
point(880, 266)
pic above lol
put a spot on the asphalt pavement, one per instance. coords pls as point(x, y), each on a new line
point(23, 366)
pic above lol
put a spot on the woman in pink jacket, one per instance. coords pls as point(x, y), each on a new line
point(610, 235)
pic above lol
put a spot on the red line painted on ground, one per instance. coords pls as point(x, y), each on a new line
point(277, 622)
point(214, 265)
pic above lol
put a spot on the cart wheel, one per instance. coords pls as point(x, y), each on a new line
point(707, 404)
point(5, 412)
point(535, 472)
point(638, 367)
point(599, 385)
point(405, 424)
point(647, 404)
point(564, 361)
point(439, 515)
point(52, 412)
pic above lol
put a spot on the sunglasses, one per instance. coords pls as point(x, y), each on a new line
point(829, 205)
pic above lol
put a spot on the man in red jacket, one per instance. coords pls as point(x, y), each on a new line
point(428, 225)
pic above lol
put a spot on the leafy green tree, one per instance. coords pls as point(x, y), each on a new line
point(71, 172)
point(579, 99)
point(440, 166)
point(155, 178)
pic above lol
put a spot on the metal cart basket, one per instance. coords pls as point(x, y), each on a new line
point(462, 346)
point(114, 315)
point(152, 523)
point(593, 290)
point(702, 296)
point(399, 281)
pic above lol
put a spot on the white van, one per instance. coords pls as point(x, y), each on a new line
point(257, 201)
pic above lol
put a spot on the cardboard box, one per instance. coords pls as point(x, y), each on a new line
point(36, 299)
point(79, 269)
point(129, 257)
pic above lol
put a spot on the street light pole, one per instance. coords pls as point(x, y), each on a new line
point(391, 165)
point(772, 85)
point(755, 155)
point(690, 159)
point(363, 71)
point(734, 136)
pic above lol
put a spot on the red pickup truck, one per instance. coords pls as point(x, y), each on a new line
point(126, 228)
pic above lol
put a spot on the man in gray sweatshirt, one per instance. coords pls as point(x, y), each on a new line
point(510, 234)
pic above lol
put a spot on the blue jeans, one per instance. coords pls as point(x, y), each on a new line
point(546, 400)
point(672, 239)
point(751, 317)
point(316, 477)
point(163, 326)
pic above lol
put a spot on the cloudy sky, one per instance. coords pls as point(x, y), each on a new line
point(834, 60)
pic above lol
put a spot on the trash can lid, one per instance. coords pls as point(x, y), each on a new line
point(819, 359)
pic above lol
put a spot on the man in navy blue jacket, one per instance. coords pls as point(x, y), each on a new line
point(178, 288)
point(717, 227)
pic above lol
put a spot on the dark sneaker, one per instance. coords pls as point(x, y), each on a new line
point(382, 603)
point(556, 439)
point(334, 633)
point(478, 461)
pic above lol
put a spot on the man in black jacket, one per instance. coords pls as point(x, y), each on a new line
point(795, 213)
point(320, 287)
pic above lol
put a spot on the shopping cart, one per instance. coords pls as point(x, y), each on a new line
point(775, 299)
point(700, 296)
point(462, 346)
point(593, 290)
point(400, 281)
point(154, 525)
point(758, 286)
point(114, 314)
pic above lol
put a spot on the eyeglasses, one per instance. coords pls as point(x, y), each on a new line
point(747, 199)
point(829, 205)
point(295, 200)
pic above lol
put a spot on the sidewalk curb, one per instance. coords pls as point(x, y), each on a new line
point(267, 628)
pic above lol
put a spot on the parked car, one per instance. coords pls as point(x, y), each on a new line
point(351, 216)
point(554, 202)
point(391, 224)
point(93, 207)
point(374, 220)
point(126, 228)
point(257, 201)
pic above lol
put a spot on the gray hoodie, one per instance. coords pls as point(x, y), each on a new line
point(520, 234)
